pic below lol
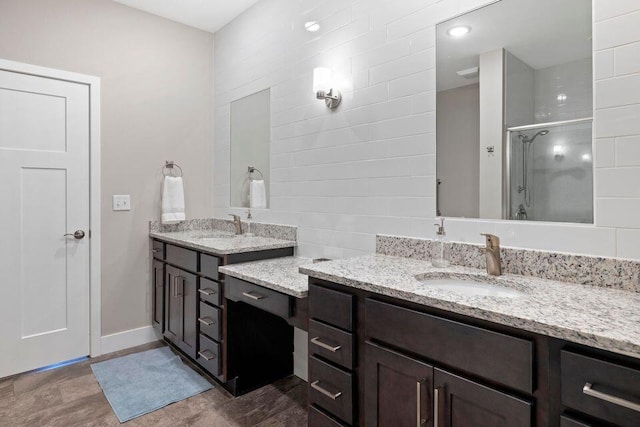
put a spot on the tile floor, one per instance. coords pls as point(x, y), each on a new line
point(70, 396)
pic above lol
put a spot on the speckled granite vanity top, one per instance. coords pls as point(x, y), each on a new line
point(279, 274)
point(603, 318)
point(220, 242)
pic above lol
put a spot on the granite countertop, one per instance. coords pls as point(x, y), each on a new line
point(219, 242)
point(279, 274)
point(597, 317)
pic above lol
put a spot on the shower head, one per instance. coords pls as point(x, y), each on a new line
point(541, 133)
point(525, 139)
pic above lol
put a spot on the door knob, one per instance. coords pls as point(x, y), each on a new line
point(78, 234)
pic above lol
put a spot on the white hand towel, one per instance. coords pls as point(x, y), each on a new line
point(258, 194)
point(172, 200)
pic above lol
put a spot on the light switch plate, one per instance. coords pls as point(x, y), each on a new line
point(122, 202)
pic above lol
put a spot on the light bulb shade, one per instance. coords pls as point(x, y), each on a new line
point(558, 150)
point(322, 80)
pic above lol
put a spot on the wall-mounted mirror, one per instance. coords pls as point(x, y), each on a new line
point(250, 150)
point(514, 112)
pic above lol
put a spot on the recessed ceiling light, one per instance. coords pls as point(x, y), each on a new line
point(459, 31)
point(311, 26)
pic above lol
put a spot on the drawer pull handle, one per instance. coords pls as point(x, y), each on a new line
point(436, 407)
point(206, 321)
point(419, 420)
point(316, 341)
point(333, 396)
point(206, 355)
point(589, 391)
point(253, 296)
point(207, 291)
point(418, 404)
point(155, 251)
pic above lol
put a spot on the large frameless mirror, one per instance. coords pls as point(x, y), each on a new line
point(515, 107)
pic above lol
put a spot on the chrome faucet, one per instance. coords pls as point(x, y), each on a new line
point(237, 223)
point(492, 254)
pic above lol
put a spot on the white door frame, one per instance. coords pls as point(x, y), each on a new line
point(95, 308)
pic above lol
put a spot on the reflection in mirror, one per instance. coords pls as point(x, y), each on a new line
point(514, 112)
point(250, 148)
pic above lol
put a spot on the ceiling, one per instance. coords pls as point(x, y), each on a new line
point(208, 15)
point(542, 33)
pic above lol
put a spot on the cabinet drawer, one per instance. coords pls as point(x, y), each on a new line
point(332, 307)
point(331, 389)
point(181, 257)
point(209, 266)
point(331, 343)
point(209, 355)
point(209, 321)
point(257, 296)
point(570, 422)
point(157, 248)
point(609, 381)
point(456, 344)
point(210, 291)
point(317, 418)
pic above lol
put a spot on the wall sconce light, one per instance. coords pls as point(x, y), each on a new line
point(323, 79)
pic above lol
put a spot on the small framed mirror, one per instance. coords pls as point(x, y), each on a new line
point(250, 150)
point(514, 112)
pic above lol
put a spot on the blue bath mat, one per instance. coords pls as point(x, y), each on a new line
point(144, 382)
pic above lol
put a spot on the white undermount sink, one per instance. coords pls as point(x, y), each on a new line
point(472, 287)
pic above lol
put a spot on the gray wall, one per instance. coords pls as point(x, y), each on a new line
point(458, 151)
point(157, 86)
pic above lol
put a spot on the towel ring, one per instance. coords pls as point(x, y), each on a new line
point(253, 170)
point(169, 168)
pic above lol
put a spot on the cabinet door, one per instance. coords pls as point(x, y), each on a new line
point(173, 306)
point(181, 309)
point(158, 295)
point(398, 389)
point(459, 402)
point(188, 290)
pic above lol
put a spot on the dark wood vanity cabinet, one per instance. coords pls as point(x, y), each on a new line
point(190, 309)
point(411, 365)
point(459, 401)
point(332, 380)
point(157, 291)
point(398, 389)
point(603, 390)
point(157, 285)
point(181, 309)
point(403, 391)
point(437, 396)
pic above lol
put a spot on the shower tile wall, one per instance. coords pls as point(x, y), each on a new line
point(370, 166)
point(564, 92)
point(562, 189)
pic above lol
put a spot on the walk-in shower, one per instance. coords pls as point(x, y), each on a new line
point(550, 172)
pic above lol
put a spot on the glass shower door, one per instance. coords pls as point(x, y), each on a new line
point(550, 172)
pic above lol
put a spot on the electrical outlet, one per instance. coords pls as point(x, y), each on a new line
point(122, 202)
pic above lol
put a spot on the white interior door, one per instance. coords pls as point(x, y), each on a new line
point(44, 192)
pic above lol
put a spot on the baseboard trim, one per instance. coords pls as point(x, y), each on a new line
point(127, 339)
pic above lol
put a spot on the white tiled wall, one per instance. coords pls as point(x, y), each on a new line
point(573, 79)
point(369, 167)
point(617, 99)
